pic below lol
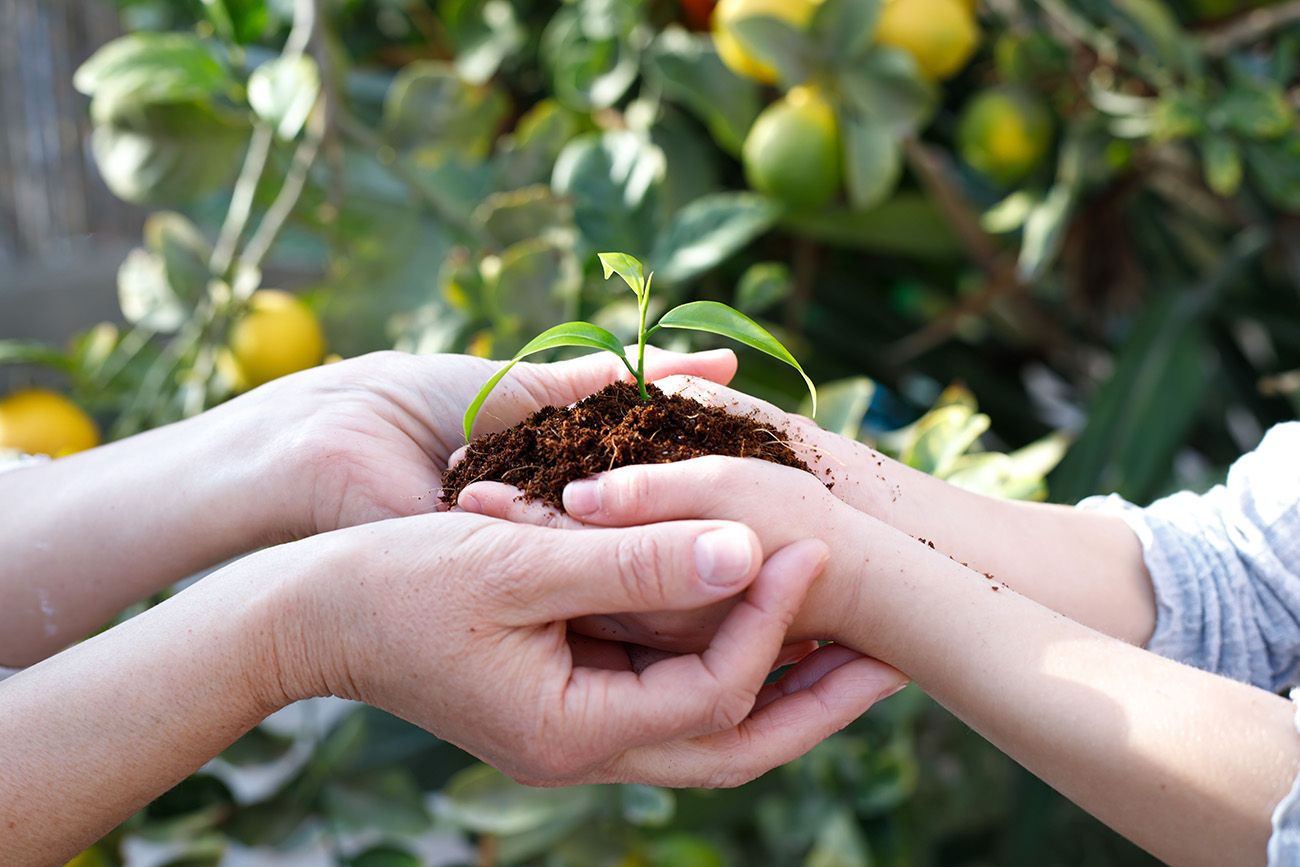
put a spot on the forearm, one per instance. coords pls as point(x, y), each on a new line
point(1187, 764)
point(87, 535)
point(1085, 565)
point(91, 735)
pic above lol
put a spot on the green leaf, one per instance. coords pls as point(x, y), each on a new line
point(241, 21)
point(763, 285)
point(626, 267)
point(647, 806)
point(384, 856)
point(708, 231)
point(484, 800)
point(844, 404)
point(532, 285)
point(909, 224)
point(1223, 165)
point(720, 319)
point(773, 41)
point(873, 161)
point(1257, 110)
point(839, 843)
point(384, 799)
point(687, 66)
point(524, 215)
point(844, 28)
point(615, 181)
point(145, 68)
point(567, 334)
point(283, 92)
point(146, 296)
point(33, 352)
point(887, 86)
point(941, 436)
point(431, 108)
point(589, 54)
point(485, 32)
point(167, 154)
point(184, 252)
point(1155, 28)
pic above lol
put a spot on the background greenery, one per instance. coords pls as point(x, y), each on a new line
point(1109, 265)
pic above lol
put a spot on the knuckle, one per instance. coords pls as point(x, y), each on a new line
point(639, 560)
point(731, 708)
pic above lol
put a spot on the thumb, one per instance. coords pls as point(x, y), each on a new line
point(670, 566)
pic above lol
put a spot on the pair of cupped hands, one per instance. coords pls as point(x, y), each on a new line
point(628, 640)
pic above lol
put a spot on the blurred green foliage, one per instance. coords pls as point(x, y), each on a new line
point(1106, 257)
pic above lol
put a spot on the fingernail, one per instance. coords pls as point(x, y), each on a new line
point(723, 556)
point(582, 498)
point(893, 690)
point(469, 503)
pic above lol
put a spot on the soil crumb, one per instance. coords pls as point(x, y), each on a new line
point(611, 428)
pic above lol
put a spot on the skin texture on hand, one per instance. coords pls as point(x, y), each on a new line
point(1187, 764)
point(340, 445)
point(454, 622)
point(1085, 565)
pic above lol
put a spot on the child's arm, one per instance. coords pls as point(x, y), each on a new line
point(1187, 764)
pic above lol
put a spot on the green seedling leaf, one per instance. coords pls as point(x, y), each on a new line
point(720, 319)
point(626, 267)
point(566, 334)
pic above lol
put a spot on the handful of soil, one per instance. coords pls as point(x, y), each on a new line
point(611, 428)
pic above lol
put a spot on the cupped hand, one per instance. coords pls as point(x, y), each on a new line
point(781, 504)
point(458, 623)
point(369, 438)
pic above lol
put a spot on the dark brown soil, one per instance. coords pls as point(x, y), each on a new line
point(611, 428)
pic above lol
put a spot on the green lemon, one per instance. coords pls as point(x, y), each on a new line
point(792, 152)
point(1003, 133)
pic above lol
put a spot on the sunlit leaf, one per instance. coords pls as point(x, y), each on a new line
point(626, 267)
point(567, 334)
point(708, 231)
point(283, 91)
point(873, 161)
point(146, 68)
point(484, 800)
point(688, 67)
point(720, 319)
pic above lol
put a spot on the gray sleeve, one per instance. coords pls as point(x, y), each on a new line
point(1284, 842)
point(1226, 572)
point(1226, 566)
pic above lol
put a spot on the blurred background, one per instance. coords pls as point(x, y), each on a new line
point(1042, 249)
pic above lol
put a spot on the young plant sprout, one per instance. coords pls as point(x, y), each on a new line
point(697, 316)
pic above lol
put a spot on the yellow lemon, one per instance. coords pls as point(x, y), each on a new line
point(1003, 133)
point(793, 150)
point(940, 34)
point(277, 335)
point(730, 50)
point(40, 422)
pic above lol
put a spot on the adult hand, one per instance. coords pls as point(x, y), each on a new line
point(455, 622)
point(458, 624)
point(339, 445)
point(781, 504)
point(369, 438)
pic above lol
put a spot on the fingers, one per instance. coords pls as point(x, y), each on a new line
point(497, 500)
point(827, 692)
point(713, 691)
point(663, 567)
point(714, 486)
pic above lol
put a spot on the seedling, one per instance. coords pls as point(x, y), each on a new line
point(697, 316)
